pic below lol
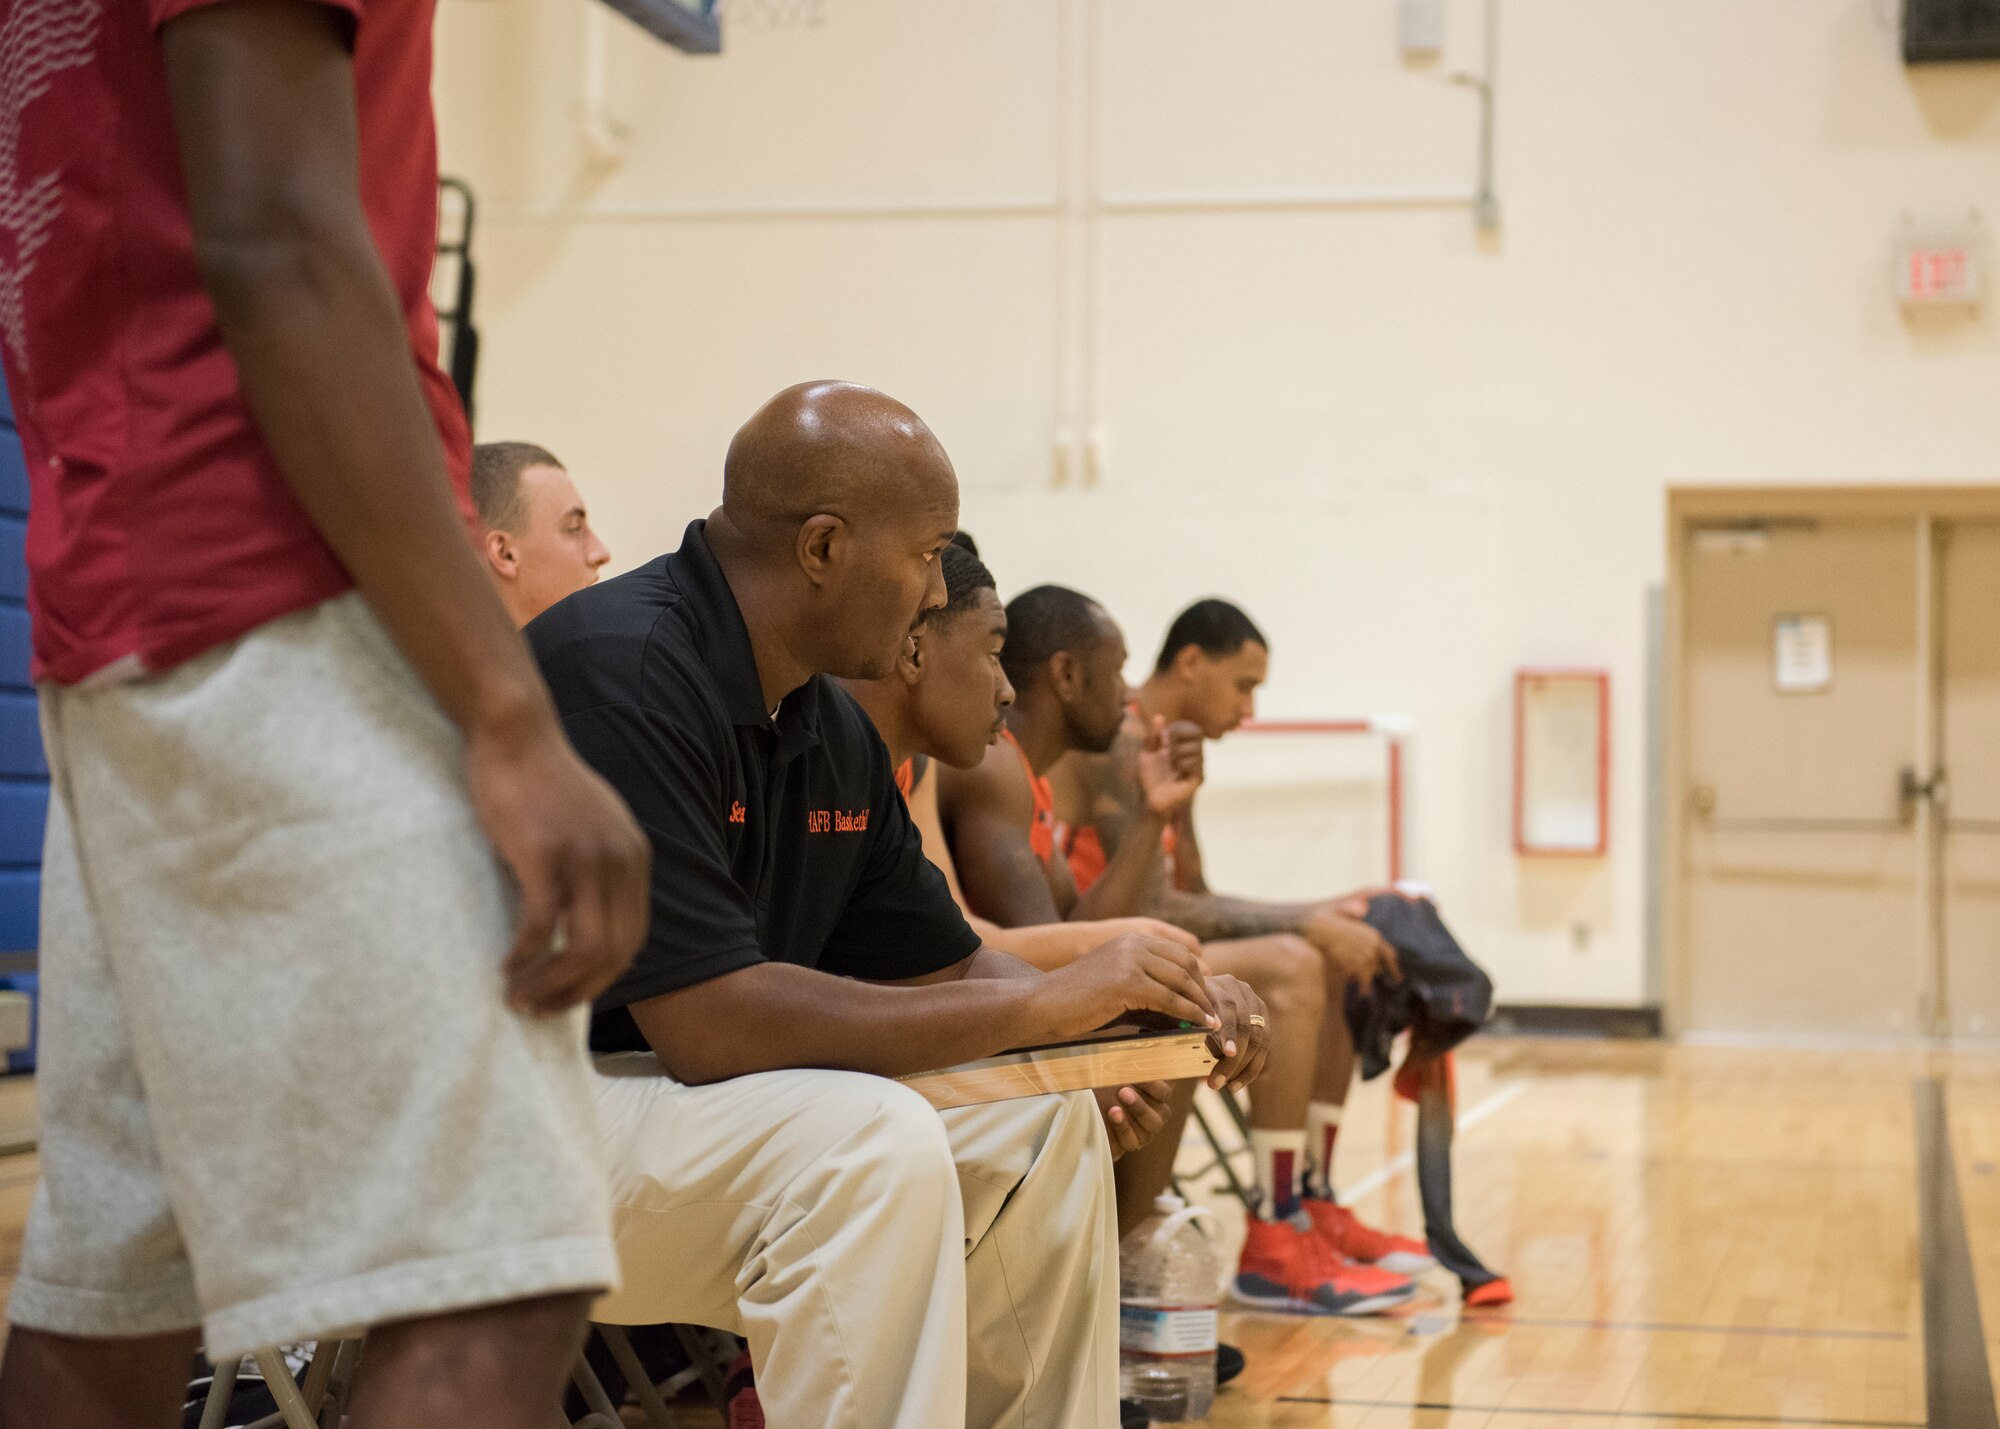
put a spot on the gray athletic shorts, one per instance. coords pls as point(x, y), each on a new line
point(281, 1092)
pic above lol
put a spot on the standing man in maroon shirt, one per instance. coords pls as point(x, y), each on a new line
point(325, 888)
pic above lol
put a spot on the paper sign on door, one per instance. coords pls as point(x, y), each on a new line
point(1803, 653)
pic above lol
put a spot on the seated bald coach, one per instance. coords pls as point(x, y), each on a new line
point(893, 1267)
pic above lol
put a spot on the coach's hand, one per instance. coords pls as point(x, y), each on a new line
point(1243, 1043)
point(1360, 953)
point(580, 860)
point(1134, 1115)
point(1127, 974)
point(1170, 766)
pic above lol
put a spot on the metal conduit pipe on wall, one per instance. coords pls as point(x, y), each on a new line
point(1078, 206)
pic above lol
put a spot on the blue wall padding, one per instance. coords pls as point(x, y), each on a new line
point(20, 736)
point(24, 808)
point(13, 558)
point(24, 797)
point(13, 479)
point(16, 648)
point(20, 909)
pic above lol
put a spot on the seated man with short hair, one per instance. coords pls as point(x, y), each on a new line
point(535, 533)
point(1065, 657)
point(945, 703)
point(893, 1267)
point(1205, 680)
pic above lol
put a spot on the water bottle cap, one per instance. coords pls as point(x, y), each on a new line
point(1167, 1203)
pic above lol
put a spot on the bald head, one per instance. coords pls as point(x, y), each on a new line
point(831, 448)
point(836, 501)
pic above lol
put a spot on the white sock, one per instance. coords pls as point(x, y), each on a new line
point(1280, 1157)
point(1322, 1128)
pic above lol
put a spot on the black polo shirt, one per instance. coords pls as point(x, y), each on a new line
point(781, 840)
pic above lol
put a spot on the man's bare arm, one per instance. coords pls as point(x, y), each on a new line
point(986, 814)
point(264, 112)
point(988, 962)
point(1135, 869)
point(1134, 876)
point(1043, 945)
point(1187, 873)
point(778, 1015)
point(1108, 785)
point(1213, 917)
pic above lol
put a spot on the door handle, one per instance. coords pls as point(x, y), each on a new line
point(1909, 789)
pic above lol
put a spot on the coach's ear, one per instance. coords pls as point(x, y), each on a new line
point(822, 541)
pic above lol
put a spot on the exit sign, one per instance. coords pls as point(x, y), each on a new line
point(1939, 270)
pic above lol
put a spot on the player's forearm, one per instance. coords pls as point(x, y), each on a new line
point(1127, 887)
point(1047, 946)
point(319, 342)
point(1187, 871)
point(1214, 916)
point(775, 1016)
point(1002, 877)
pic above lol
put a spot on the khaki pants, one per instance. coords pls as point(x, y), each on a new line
point(893, 1267)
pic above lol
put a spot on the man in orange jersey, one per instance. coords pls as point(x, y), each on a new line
point(1066, 657)
point(944, 704)
point(1212, 663)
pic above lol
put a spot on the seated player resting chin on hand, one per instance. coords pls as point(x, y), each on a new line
point(1065, 657)
point(892, 1266)
point(946, 702)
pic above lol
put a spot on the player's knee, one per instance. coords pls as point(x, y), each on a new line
point(1299, 988)
point(489, 1361)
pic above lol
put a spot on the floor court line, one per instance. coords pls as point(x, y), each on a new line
point(1613, 1415)
point(1958, 1384)
point(1659, 1328)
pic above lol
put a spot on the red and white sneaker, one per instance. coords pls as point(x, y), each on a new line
point(1288, 1267)
point(1342, 1230)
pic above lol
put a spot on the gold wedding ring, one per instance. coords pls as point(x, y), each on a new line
point(1255, 1020)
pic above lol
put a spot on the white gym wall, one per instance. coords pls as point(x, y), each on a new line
point(1419, 456)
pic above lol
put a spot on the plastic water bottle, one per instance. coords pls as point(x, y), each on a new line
point(1169, 1279)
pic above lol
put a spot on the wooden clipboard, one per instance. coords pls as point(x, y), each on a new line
point(1113, 1060)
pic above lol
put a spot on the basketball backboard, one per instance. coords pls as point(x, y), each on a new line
point(690, 25)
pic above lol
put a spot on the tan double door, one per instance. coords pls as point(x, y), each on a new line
point(1840, 775)
point(1969, 725)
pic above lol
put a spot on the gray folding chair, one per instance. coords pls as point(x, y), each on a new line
point(1225, 1109)
point(319, 1403)
point(709, 1353)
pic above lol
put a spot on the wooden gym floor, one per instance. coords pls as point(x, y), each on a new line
point(1697, 1237)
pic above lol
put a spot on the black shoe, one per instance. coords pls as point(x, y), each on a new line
point(1228, 1364)
point(1132, 1415)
